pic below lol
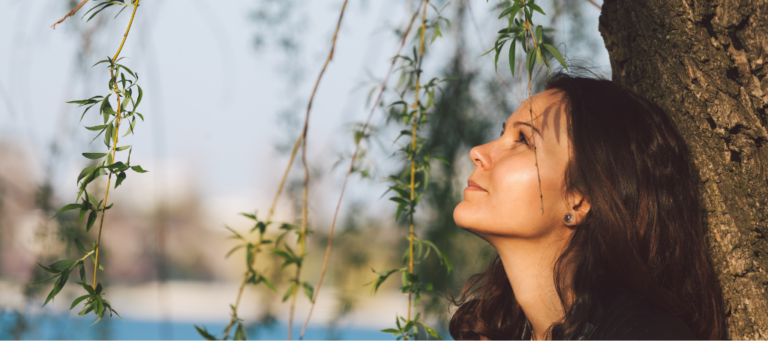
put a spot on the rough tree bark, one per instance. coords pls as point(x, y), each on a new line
point(704, 62)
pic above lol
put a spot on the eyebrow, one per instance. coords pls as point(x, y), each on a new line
point(521, 123)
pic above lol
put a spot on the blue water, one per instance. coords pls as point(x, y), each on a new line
point(64, 326)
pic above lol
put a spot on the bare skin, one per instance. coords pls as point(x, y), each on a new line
point(502, 206)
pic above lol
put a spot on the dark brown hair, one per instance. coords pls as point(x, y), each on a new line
point(644, 230)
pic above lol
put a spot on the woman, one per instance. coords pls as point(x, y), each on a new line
point(594, 211)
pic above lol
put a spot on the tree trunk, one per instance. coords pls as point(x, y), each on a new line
point(703, 62)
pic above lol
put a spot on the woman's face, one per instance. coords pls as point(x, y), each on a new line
point(503, 198)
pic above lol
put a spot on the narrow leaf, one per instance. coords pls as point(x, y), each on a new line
point(67, 208)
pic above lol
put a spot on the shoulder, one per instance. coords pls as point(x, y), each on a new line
point(629, 316)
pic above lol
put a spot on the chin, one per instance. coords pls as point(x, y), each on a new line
point(462, 216)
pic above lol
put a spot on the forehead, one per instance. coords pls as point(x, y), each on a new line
point(549, 114)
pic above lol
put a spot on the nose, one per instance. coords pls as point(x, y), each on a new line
point(480, 157)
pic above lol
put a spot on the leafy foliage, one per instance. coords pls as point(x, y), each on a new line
point(127, 96)
point(251, 276)
point(410, 184)
point(532, 39)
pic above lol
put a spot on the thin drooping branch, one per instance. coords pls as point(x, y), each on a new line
point(509, 88)
point(529, 27)
point(416, 117)
point(594, 3)
point(349, 173)
point(71, 13)
point(304, 210)
point(114, 145)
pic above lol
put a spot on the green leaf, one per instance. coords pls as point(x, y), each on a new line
point(87, 309)
point(248, 215)
point(87, 288)
point(308, 290)
point(233, 231)
point(108, 135)
point(127, 69)
point(106, 109)
point(63, 264)
point(138, 169)
point(535, 7)
point(95, 128)
point(80, 246)
point(53, 271)
point(529, 60)
point(511, 58)
point(82, 271)
point(120, 178)
point(498, 51)
point(233, 250)
point(268, 283)
point(118, 166)
point(130, 128)
point(509, 10)
point(555, 53)
point(391, 330)
point(91, 221)
point(431, 331)
point(78, 300)
point(537, 49)
point(282, 254)
point(83, 210)
point(87, 171)
point(44, 280)
point(95, 156)
point(138, 100)
point(204, 333)
point(240, 333)
point(120, 149)
point(67, 208)
point(539, 35)
point(383, 275)
point(290, 292)
point(57, 287)
point(436, 34)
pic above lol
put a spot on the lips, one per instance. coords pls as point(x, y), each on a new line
point(474, 186)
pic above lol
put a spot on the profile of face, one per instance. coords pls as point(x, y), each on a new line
point(502, 199)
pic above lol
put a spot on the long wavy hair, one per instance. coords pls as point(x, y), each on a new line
point(644, 231)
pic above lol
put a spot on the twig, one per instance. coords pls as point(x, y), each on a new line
point(593, 2)
point(413, 153)
point(71, 13)
point(349, 173)
point(114, 146)
point(233, 316)
point(304, 210)
point(529, 26)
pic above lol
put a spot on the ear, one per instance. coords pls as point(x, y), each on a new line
point(579, 206)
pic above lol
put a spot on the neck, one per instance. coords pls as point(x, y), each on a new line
point(529, 264)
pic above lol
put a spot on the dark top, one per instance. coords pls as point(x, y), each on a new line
point(625, 315)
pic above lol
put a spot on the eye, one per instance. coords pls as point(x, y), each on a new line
point(522, 137)
point(503, 126)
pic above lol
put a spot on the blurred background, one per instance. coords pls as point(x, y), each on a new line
point(226, 86)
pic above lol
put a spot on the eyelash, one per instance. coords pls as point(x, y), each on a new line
point(522, 136)
point(522, 139)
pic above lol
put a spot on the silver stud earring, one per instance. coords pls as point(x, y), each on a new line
point(568, 218)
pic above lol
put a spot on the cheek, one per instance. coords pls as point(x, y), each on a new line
point(513, 205)
point(515, 194)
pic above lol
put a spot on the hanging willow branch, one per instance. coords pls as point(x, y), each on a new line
point(349, 172)
point(71, 13)
point(304, 207)
point(121, 84)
